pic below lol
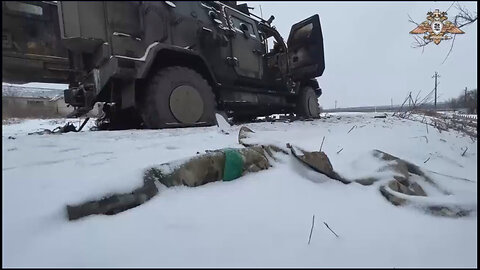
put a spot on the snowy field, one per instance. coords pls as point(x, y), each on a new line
point(259, 220)
point(468, 116)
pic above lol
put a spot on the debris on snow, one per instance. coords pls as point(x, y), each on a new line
point(271, 209)
point(229, 164)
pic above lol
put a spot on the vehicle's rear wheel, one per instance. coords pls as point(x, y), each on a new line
point(242, 118)
point(307, 103)
point(178, 96)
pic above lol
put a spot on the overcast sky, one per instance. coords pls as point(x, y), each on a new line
point(368, 55)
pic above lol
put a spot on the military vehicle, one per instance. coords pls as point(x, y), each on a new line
point(164, 63)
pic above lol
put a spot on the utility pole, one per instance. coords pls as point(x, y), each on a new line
point(436, 76)
point(391, 102)
point(335, 104)
point(465, 96)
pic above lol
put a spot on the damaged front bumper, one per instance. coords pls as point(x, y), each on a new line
point(82, 98)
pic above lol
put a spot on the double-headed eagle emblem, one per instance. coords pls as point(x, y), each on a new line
point(436, 27)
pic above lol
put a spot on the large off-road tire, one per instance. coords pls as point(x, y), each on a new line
point(178, 97)
point(237, 119)
point(307, 103)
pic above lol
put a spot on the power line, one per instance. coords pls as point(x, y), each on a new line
point(427, 97)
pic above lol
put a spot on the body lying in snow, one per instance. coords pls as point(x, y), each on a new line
point(229, 164)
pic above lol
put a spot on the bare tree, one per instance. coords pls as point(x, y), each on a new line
point(463, 18)
point(466, 100)
point(419, 42)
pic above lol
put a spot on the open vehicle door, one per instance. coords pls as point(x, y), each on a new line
point(32, 49)
point(305, 49)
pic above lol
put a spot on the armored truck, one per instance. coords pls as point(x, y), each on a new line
point(161, 64)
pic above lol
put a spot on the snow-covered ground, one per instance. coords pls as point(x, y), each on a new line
point(468, 116)
point(457, 113)
point(259, 220)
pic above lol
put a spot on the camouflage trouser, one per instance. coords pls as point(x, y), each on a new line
point(225, 164)
point(115, 203)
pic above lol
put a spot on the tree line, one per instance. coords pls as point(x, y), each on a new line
point(467, 100)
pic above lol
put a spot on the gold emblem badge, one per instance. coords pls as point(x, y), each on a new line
point(436, 28)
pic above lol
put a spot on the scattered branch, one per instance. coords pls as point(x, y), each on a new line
point(339, 151)
point(330, 229)
point(311, 229)
point(426, 139)
point(443, 122)
point(451, 48)
point(411, 20)
point(464, 151)
point(454, 177)
point(322, 144)
point(464, 17)
point(354, 126)
point(426, 160)
point(450, 6)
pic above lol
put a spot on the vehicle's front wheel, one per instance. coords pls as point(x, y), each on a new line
point(307, 103)
point(178, 96)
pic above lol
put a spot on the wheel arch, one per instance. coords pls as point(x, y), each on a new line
point(173, 56)
point(314, 84)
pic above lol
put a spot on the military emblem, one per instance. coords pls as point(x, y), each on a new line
point(436, 28)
